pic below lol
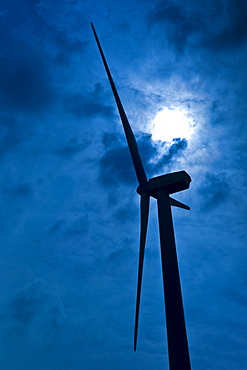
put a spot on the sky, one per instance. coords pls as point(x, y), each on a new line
point(69, 213)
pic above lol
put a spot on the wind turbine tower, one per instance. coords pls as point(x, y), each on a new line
point(160, 188)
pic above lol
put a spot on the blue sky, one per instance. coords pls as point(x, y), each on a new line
point(69, 212)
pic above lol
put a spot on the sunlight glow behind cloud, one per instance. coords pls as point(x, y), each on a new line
point(169, 124)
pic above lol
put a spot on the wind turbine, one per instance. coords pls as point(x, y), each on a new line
point(160, 188)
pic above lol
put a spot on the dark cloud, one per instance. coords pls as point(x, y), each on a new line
point(177, 146)
point(89, 105)
point(17, 13)
point(10, 135)
point(82, 106)
point(25, 73)
point(214, 190)
point(27, 303)
point(24, 84)
point(116, 164)
point(56, 227)
point(149, 150)
point(32, 53)
point(122, 253)
point(127, 209)
point(79, 226)
point(67, 48)
point(216, 25)
point(234, 32)
point(18, 191)
point(237, 295)
point(110, 140)
point(71, 149)
point(179, 25)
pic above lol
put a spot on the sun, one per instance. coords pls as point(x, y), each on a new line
point(169, 124)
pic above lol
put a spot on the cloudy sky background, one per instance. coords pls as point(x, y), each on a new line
point(69, 212)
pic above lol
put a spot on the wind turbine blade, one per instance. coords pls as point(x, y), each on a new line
point(139, 169)
point(176, 203)
point(144, 223)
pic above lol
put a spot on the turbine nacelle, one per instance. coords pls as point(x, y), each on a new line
point(171, 183)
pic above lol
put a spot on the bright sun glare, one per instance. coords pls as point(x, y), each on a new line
point(170, 124)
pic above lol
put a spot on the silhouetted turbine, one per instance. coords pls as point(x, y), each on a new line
point(159, 187)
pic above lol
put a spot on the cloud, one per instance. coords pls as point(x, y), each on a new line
point(215, 26)
point(110, 140)
point(234, 31)
point(56, 227)
point(116, 164)
point(27, 303)
point(24, 83)
point(150, 152)
point(79, 226)
point(178, 24)
point(122, 253)
point(214, 190)
point(71, 149)
point(84, 106)
point(177, 146)
point(68, 48)
point(20, 191)
point(11, 134)
point(89, 105)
